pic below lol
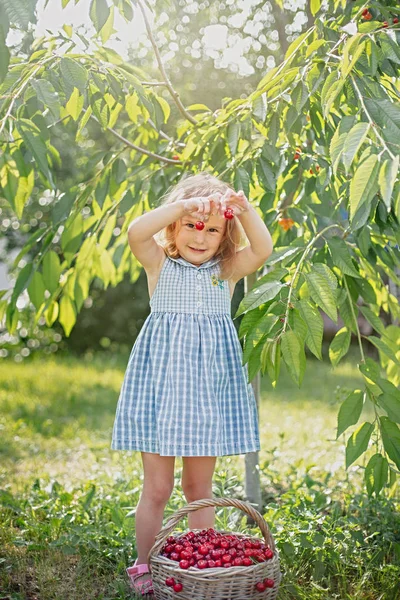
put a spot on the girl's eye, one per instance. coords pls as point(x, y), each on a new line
point(191, 225)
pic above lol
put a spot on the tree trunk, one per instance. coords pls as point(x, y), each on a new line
point(252, 467)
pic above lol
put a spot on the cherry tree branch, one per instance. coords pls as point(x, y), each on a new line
point(173, 93)
point(169, 161)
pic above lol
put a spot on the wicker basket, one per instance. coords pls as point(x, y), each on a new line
point(217, 583)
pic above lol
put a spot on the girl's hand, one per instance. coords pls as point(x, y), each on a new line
point(202, 206)
point(235, 200)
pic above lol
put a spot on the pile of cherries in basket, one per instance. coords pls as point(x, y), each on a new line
point(209, 548)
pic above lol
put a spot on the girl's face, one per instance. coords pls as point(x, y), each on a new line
point(189, 240)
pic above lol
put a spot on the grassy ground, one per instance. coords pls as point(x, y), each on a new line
point(67, 502)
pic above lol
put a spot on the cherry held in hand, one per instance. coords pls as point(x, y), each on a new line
point(229, 214)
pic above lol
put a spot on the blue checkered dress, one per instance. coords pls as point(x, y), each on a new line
point(185, 391)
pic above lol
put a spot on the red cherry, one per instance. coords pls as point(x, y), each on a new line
point(175, 157)
point(224, 544)
point(218, 563)
point(203, 549)
point(174, 556)
point(395, 20)
point(199, 225)
point(178, 548)
point(226, 558)
point(171, 540)
point(260, 586)
point(269, 582)
point(170, 581)
point(178, 587)
point(238, 562)
point(211, 563)
point(229, 213)
point(385, 24)
point(268, 553)
point(184, 564)
point(227, 565)
point(202, 564)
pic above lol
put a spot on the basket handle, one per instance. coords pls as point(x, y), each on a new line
point(198, 504)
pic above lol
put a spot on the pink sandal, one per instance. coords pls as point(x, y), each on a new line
point(142, 587)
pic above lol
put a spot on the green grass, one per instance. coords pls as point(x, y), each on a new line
point(67, 502)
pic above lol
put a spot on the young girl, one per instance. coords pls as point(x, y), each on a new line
point(185, 392)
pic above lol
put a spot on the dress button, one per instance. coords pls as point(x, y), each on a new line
point(199, 276)
point(199, 304)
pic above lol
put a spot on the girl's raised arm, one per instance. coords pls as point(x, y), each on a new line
point(143, 228)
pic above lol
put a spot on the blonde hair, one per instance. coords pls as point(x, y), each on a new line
point(203, 184)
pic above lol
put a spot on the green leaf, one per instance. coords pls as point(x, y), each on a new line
point(127, 10)
point(315, 5)
point(358, 443)
point(47, 95)
point(254, 362)
point(371, 371)
point(20, 12)
point(67, 316)
point(233, 134)
point(34, 142)
point(99, 12)
point(389, 399)
point(294, 355)
point(376, 474)
point(339, 346)
point(51, 271)
point(266, 174)
point(36, 290)
point(75, 104)
point(383, 347)
point(259, 107)
point(297, 323)
point(4, 55)
point(108, 27)
point(385, 113)
point(363, 186)
point(355, 55)
point(387, 178)
point(242, 180)
point(320, 289)
point(339, 139)
point(71, 237)
point(263, 326)
point(315, 327)
point(271, 360)
point(354, 140)
point(280, 254)
point(341, 256)
point(350, 411)
point(249, 320)
point(258, 296)
point(73, 74)
point(391, 439)
point(373, 319)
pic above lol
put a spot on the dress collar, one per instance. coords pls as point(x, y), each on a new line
point(186, 263)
